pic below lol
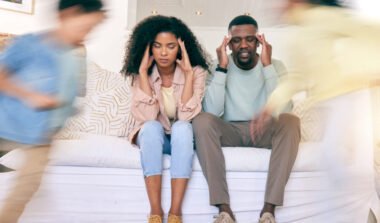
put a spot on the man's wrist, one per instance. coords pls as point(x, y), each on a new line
point(266, 64)
point(221, 69)
point(266, 61)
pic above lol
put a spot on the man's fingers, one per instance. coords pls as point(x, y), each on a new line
point(265, 41)
point(222, 47)
point(262, 40)
point(228, 39)
point(224, 43)
point(259, 38)
point(263, 37)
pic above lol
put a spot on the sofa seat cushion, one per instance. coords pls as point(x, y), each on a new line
point(116, 152)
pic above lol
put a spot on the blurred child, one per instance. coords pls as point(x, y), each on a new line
point(37, 88)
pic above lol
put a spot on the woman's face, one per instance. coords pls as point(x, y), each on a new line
point(165, 49)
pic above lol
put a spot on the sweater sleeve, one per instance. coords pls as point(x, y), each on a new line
point(214, 98)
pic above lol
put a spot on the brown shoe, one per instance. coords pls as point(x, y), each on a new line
point(174, 219)
point(155, 219)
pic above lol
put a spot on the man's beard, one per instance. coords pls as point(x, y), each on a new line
point(244, 63)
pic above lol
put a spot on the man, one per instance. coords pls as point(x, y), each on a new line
point(237, 89)
point(37, 88)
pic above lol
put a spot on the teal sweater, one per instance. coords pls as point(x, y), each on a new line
point(239, 94)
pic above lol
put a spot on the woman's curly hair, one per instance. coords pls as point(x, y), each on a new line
point(145, 33)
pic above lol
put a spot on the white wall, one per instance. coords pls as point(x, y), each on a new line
point(19, 23)
point(106, 44)
point(369, 8)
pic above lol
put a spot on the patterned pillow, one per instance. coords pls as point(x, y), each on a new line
point(106, 108)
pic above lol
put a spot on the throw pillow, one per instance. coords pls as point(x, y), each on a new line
point(106, 108)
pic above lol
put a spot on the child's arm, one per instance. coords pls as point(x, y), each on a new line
point(26, 95)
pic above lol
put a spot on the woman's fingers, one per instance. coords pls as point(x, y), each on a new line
point(146, 53)
point(146, 61)
point(183, 49)
point(151, 58)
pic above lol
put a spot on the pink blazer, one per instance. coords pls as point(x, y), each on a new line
point(145, 108)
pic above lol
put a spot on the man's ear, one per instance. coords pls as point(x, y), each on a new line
point(229, 46)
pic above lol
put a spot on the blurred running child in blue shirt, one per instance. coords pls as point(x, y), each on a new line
point(38, 75)
point(37, 88)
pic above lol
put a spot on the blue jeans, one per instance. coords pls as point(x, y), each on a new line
point(154, 143)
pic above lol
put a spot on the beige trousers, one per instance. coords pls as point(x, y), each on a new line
point(27, 183)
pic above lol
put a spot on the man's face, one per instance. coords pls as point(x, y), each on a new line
point(243, 45)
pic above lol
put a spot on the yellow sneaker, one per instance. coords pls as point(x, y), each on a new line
point(174, 219)
point(155, 219)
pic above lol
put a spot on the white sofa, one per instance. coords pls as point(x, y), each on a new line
point(99, 179)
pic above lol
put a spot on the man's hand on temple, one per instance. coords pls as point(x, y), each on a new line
point(221, 51)
point(266, 52)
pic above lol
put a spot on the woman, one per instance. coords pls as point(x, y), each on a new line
point(166, 69)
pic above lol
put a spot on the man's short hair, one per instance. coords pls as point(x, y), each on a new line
point(243, 20)
point(87, 6)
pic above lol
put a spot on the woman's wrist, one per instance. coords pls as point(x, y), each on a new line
point(189, 73)
point(143, 72)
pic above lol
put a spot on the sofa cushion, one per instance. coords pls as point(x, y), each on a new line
point(105, 110)
point(108, 151)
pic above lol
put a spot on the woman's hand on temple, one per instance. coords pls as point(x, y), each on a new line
point(146, 61)
point(184, 63)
